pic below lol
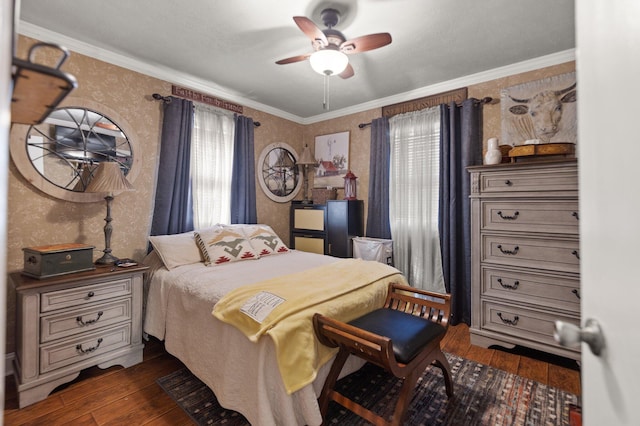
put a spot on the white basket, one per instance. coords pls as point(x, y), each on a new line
point(377, 249)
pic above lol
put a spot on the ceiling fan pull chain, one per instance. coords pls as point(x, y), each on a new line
point(325, 101)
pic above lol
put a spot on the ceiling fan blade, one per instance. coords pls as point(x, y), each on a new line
point(364, 43)
point(348, 72)
point(311, 30)
point(293, 59)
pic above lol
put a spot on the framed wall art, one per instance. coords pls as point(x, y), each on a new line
point(332, 160)
point(540, 112)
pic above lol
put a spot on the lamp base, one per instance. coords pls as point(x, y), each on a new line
point(106, 259)
point(306, 202)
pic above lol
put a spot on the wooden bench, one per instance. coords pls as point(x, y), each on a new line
point(403, 337)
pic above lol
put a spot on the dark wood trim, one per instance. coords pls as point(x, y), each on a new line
point(456, 95)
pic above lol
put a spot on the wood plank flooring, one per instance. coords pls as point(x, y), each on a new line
point(117, 396)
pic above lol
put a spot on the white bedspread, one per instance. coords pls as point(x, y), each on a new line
point(243, 375)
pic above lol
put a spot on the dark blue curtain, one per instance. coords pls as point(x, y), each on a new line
point(460, 147)
point(243, 178)
point(173, 210)
point(379, 160)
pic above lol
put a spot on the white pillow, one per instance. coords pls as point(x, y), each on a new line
point(221, 245)
point(176, 250)
point(265, 240)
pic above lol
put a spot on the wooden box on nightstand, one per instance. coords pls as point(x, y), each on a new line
point(68, 323)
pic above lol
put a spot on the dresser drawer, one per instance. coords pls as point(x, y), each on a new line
point(551, 254)
point(525, 287)
point(559, 217)
point(86, 294)
point(540, 180)
point(88, 346)
point(524, 323)
point(79, 321)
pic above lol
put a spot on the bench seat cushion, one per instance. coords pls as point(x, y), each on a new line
point(409, 334)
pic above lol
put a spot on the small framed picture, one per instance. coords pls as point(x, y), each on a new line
point(332, 160)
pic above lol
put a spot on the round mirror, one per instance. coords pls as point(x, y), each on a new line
point(60, 155)
point(277, 172)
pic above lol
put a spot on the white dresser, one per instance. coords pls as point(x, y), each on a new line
point(71, 322)
point(525, 256)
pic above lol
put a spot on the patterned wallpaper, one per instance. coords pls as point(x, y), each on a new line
point(38, 219)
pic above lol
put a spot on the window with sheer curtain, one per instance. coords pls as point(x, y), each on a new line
point(413, 197)
point(212, 143)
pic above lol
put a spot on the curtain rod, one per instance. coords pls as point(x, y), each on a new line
point(167, 100)
point(485, 100)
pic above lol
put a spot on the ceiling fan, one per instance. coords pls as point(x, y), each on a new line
point(331, 47)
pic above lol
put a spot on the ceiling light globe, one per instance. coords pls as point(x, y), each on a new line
point(328, 61)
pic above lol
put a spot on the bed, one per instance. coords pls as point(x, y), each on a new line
point(182, 289)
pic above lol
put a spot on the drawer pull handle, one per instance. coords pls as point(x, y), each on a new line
point(507, 217)
point(88, 350)
point(89, 322)
point(576, 254)
point(508, 182)
point(576, 215)
point(509, 252)
point(90, 294)
point(508, 321)
point(509, 286)
point(576, 292)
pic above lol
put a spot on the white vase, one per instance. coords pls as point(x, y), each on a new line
point(493, 154)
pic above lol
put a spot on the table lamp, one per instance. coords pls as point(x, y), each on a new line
point(108, 178)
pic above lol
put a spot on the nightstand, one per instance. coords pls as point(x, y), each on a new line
point(326, 228)
point(68, 323)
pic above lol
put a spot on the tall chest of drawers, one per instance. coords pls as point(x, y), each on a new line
point(68, 323)
point(525, 257)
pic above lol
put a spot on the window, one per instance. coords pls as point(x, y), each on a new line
point(212, 142)
point(413, 196)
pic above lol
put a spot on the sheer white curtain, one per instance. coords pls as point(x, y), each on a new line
point(211, 164)
point(413, 197)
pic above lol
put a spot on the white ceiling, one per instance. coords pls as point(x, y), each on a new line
point(228, 48)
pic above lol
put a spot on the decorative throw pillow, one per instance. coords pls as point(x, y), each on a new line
point(176, 250)
point(265, 240)
point(221, 245)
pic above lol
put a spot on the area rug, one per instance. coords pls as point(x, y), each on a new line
point(482, 396)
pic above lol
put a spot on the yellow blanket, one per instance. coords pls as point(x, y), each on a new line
point(344, 290)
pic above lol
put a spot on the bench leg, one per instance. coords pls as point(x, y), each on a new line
point(441, 362)
point(406, 392)
point(332, 378)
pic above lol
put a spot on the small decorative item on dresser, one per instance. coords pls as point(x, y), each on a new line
point(57, 259)
point(350, 188)
point(321, 195)
point(493, 154)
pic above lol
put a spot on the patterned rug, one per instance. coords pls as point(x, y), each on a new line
point(482, 396)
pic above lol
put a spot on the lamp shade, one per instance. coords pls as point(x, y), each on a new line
point(328, 61)
point(108, 178)
point(306, 158)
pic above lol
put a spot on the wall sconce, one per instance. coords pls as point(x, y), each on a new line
point(306, 160)
point(350, 187)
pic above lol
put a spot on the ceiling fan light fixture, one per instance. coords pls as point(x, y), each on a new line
point(328, 61)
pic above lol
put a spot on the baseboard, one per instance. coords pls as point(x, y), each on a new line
point(8, 363)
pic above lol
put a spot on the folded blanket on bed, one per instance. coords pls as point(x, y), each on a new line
point(282, 308)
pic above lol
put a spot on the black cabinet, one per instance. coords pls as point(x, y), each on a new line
point(327, 228)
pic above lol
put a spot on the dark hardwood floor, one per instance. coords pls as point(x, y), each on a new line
point(119, 396)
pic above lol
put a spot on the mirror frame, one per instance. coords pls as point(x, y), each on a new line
point(259, 172)
point(20, 156)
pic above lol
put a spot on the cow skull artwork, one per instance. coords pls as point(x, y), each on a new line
point(543, 110)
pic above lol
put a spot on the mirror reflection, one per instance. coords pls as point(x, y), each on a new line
point(68, 146)
point(278, 173)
